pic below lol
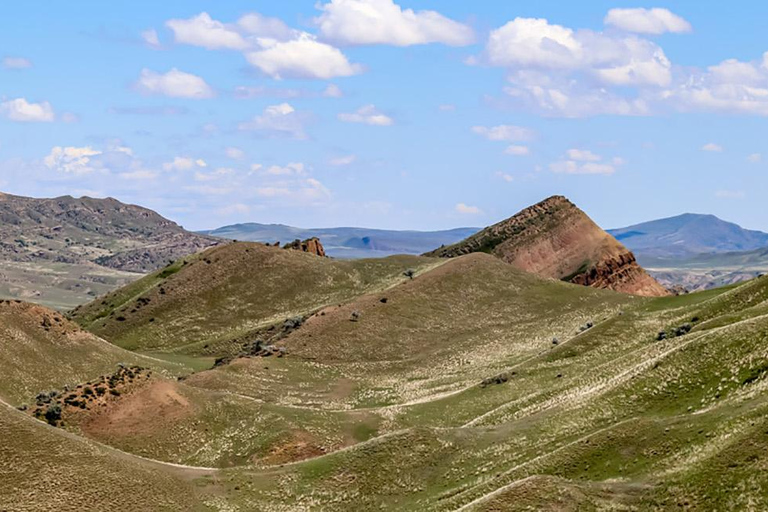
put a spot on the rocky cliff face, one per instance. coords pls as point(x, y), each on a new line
point(556, 239)
point(310, 245)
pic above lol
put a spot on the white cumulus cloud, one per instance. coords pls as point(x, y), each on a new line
point(278, 120)
point(367, 114)
point(583, 155)
point(343, 160)
point(364, 22)
point(517, 150)
point(234, 153)
point(20, 109)
point(151, 38)
point(467, 210)
point(584, 161)
point(16, 63)
point(184, 163)
point(504, 132)
point(174, 84)
point(303, 57)
point(712, 147)
point(202, 30)
point(647, 21)
point(71, 160)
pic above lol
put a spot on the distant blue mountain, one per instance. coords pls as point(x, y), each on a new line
point(348, 242)
point(687, 235)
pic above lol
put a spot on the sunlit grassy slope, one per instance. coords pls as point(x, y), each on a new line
point(41, 350)
point(473, 386)
point(198, 305)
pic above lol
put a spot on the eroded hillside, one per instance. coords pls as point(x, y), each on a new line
point(465, 385)
point(557, 240)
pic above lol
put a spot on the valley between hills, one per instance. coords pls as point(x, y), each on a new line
point(524, 368)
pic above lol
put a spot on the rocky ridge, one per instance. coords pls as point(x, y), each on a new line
point(555, 239)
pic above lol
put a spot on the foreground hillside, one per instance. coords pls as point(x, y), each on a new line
point(555, 239)
point(471, 386)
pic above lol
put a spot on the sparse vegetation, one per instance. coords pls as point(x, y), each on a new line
point(507, 395)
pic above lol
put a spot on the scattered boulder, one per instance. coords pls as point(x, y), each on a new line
point(496, 379)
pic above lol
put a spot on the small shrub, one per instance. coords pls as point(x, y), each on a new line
point(410, 273)
point(355, 316)
point(53, 414)
point(683, 330)
point(293, 323)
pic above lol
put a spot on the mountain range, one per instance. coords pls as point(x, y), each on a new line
point(346, 242)
point(688, 235)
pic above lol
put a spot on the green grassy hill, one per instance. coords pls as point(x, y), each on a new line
point(200, 304)
point(473, 386)
point(40, 350)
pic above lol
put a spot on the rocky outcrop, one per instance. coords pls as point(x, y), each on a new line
point(310, 245)
point(556, 239)
point(621, 273)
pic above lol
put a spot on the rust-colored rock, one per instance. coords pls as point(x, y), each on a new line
point(556, 239)
point(310, 245)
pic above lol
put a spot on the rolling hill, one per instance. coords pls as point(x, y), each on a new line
point(474, 386)
point(41, 350)
point(468, 384)
point(347, 242)
point(207, 303)
point(555, 239)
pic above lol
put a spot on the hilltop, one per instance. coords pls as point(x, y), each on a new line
point(555, 239)
point(206, 303)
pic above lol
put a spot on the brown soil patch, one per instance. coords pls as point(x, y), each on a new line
point(142, 412)
point(301, 445)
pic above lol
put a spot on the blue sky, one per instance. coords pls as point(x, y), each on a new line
point(409, 114)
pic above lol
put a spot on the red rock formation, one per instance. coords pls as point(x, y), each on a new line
point(555, 239)
point(310, 245)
